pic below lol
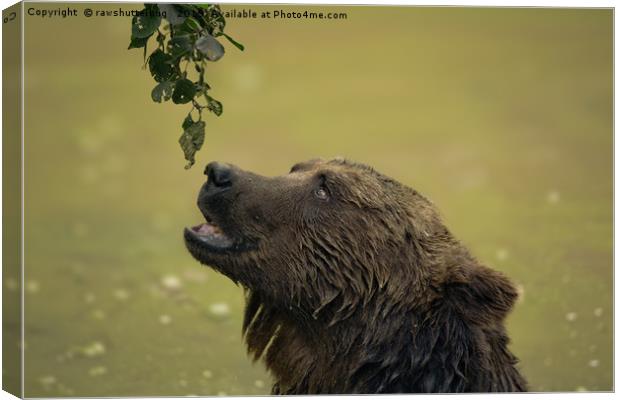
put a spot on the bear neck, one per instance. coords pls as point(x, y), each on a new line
point(444, 337)
point(297, 348)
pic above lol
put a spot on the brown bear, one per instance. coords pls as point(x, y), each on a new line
point(353, 283)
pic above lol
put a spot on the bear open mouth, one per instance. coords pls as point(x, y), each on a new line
point(210, 235)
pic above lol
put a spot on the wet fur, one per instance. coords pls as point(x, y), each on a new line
point(366, 293)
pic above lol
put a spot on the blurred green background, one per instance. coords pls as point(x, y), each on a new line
point(503, 117)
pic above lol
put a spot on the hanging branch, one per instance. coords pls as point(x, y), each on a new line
point(187, 38)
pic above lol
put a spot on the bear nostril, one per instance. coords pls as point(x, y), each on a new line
point(219, 174)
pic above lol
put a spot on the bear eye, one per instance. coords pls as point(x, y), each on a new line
point(321, 193)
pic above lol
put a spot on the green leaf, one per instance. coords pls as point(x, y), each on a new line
point(179, 46)
point(173, 14)
point(137, 43)
point(197, 132)
point(216, 20)
point(210, 47)
point(190, 33)
point(144, 25)
point(160, 65)
point(184, 91)
point(188, 121)
point(214, 106)
point(192, 24)
point(234, 42)
point(191, 141)
point(162, 92)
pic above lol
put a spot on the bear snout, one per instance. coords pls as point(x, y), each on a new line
point(219, 175)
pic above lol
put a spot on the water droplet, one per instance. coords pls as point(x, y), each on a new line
point(501, 254)
point(553, 197)
point(598, 312)
point(581, 389)
point(32, 287)
point(11, 284)
point(98, 370)
point(121, 294)
point(571, 316)
point(220, 393)
point(98, 314)
point(207, 374)
point(94, 349)
point(89, 142)
point(165, 319)
point(47, 380)
point(183, 383)
point(89, 298)
point(593, 363)
point(171, 282)
point(259, 383)
point(219, 310)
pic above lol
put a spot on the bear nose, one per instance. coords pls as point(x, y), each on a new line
point(219, 174)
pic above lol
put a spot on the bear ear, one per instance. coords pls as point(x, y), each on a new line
point(480, 293)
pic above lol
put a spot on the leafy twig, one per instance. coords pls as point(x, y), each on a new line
point(189, 33)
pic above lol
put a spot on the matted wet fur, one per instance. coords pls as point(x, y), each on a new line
point(354, 284)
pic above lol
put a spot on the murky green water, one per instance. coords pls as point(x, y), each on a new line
point(502, 117)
